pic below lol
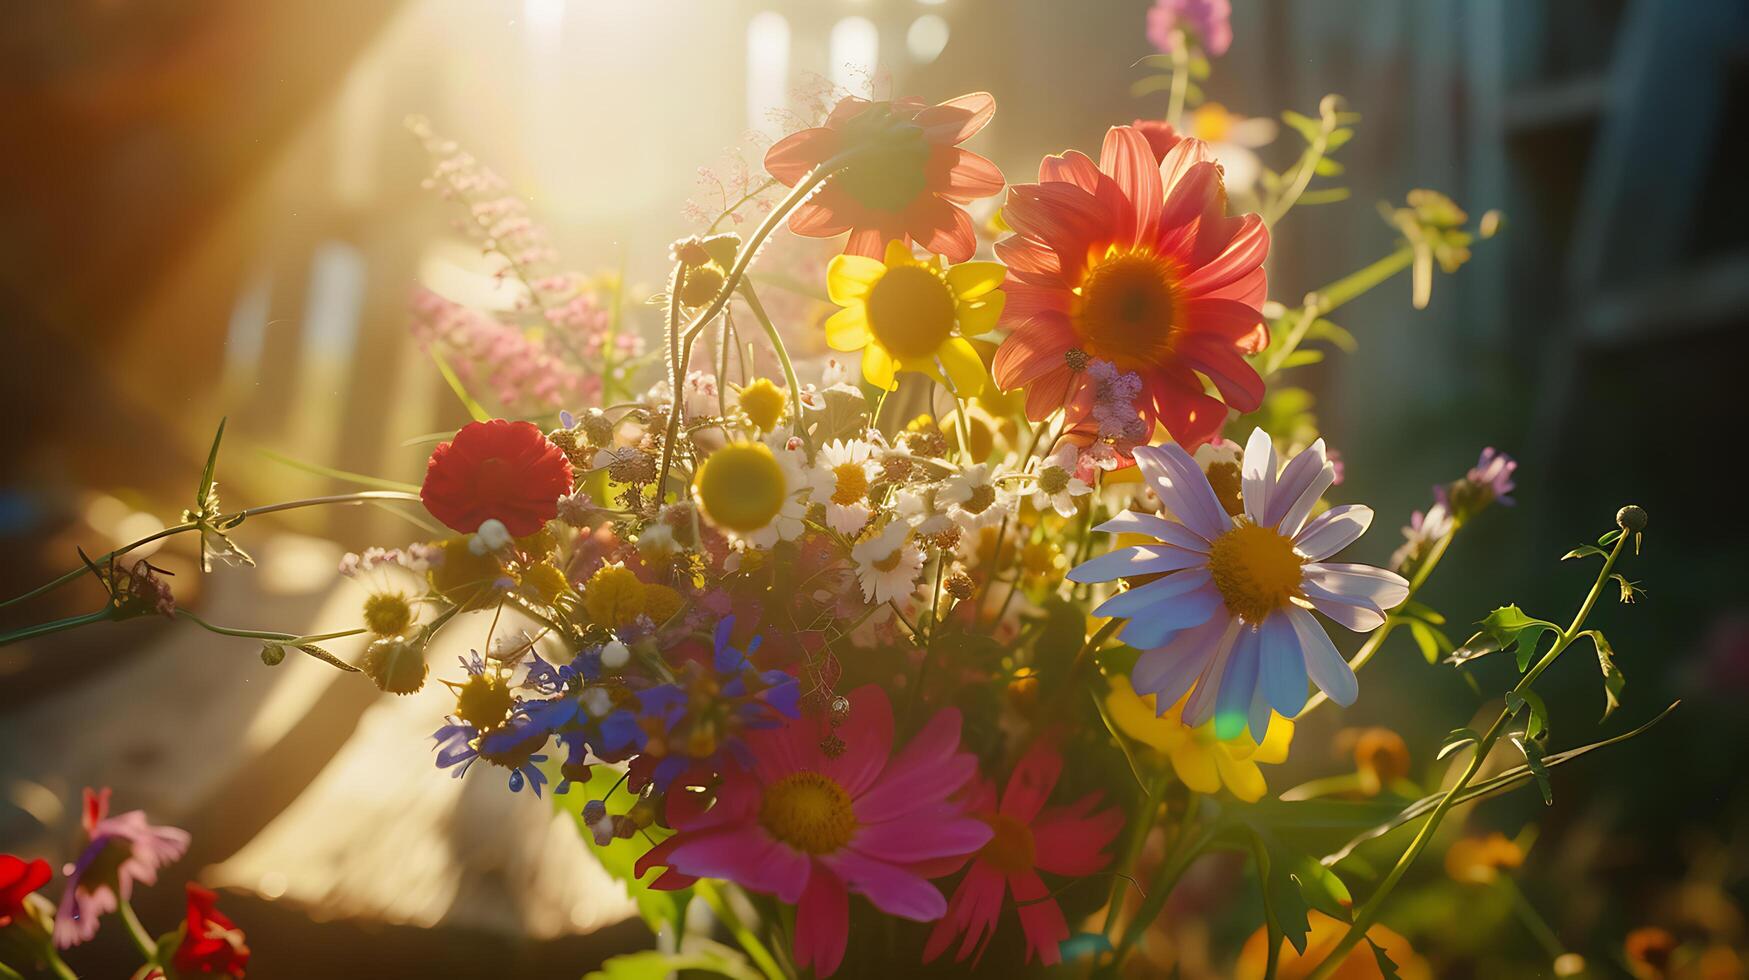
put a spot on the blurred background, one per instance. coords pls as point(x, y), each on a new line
point(214, 209)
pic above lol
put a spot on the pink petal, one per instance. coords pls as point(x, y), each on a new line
point(949, 229)
point(746, 855)
point(892, 889)
point(1030, 785)
point(822, 922)
point(868, 740)
point(1041, 919)
point(974, 911)
point(790, 158)
point(1034, 349)
point(1128, 158)
point(810, 220)
point(927, 771)
point(956, 120)
point(971, 176)
point(1070, 841)
point(898, 841)
point(871, 242)
point(1234, 377)
point(1177, 401)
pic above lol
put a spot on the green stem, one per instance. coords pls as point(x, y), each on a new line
point(44, 629)
point(1141, 822)
point(789, 369)
point(1180, 77)
point(731, 920)
point(1369, 912)
point(8, 973)
point(276, 637)
point(1379, 636)
point(1185, 850)
point(1533, 920)
point(137, 932)
point(1303, 173)
point(1271, 918)
point(1324, 301)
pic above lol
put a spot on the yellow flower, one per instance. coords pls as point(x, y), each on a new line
point(1479, 860)
point(762, 401)
point(1321, 940)
point(1202, 762)
point(906, 315)
point(613, 596)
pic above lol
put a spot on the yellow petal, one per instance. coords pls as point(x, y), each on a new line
point(1135, 717)
point(973, 279)
point(1195, 766)
point(1242, 777)
point(1276, 741)
point(965, 371)
point(899, 253)
point(847, 330)
point(980, 317)
point(848, 277)
point(878, 367)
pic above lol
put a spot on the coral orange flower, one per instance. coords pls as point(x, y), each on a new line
point(1139, 265)
point(496, 470)
point(907, 181)
point(1361, 963)
point(1029, 837)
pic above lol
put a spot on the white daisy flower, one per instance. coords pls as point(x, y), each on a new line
point(921, 507)
point(975, 496)
point(756, 492)
point(1229, 619)
point(842, 473)
point(887, 563)
point(1056, 485)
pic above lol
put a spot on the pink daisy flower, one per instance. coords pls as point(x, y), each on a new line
point(810, 827)
point(1226, 614)
point(1137, 264)
point(1029, 837)
point(123, 849)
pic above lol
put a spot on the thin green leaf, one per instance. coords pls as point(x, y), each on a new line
point(212, 464)
point(1533, 760)
point(1614, 681)
point(1583, 551)
point(475, 410)
point(1327, 167)
point(1421, 611)
point(1457, 739)
point(1324, 195)
point(318, 469)
point(1302, 357)
point(1539, 712)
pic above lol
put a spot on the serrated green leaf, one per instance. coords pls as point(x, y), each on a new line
point(1293, 881)
point(1387, 967)
point(1517, 701)
point(1614, 681)
point(1533, 760)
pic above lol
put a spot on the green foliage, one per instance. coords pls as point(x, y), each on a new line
point(1293, 882)
point(1424, 623)
point(1614, 681)
point(700, 956)
point(1534, 761)
point(1457, 739)
point(1517, 701)
point(620, 857)
point(1506, 628)
point(1387, 967)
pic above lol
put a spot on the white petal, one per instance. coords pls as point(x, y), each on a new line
point(1150, 559)
point(1333, 530)
point(1156, 597)
point(1324, 665)
point(1201, 706)
point(1384, 589)
point(1168, 672)
point(1183, 488)
point(1359, 615)
point(1257, 475)
point(1157, 626)
point(1296, 476)
point(1283, 676)
point(1155, 526)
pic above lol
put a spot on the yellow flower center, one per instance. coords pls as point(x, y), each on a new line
point(387, 612)
point(852, 485)
point(483, 700)
point(911, 311)
point(1128, 306)
point(809, 812)
point(741, 486)
point(613, 596)
point(1256, 570)
point(1211, 122)
point(1012, 849)
point(763, 402)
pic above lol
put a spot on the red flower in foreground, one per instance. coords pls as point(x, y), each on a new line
point(1139, 265)
point(212, 944)
point(907, 182)
point(498, 469)
point(18, 878)
point(1029, 837)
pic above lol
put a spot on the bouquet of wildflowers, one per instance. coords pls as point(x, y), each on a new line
point(961, 638)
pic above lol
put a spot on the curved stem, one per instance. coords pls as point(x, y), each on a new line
point(1369, 912)
point(45, 629)
point(1185, 850)
point(137, 932)
point(1141, 822)
point(789, 369)
point(1180, 77)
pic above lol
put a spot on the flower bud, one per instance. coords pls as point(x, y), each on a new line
point(1631, 519)
point(272, 654)
point(387, 613)
point(615, 655)
point(396, 663)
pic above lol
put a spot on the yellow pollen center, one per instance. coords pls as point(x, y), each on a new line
point(1256, 570)
point(740, 486)
point(1012, 849)
point(911, 311)
point(890, 562)
point(1128, 307)
point(852, 485)
point(809, 812)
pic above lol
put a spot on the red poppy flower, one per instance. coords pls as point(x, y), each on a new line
point(1135, 262)
point(907, 182)
point(212, 944)
point(18, 878)
point(497, 469)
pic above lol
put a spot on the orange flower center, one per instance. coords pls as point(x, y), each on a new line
point(1256, 569)
point(809, 812)
point(910, 310)
point(1129, 307)
point(851, 483)
point(1012, 849)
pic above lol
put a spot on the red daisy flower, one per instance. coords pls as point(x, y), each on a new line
point(1029, 837)
point(907, 183)
point(212, 943)
point(497, 469)
point(18, 878)
point(1139, 265)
